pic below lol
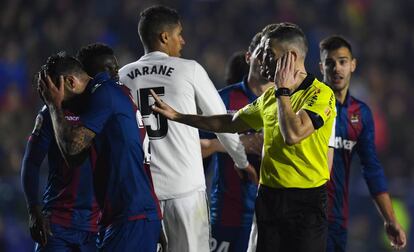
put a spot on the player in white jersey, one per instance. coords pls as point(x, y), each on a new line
point(176, 162)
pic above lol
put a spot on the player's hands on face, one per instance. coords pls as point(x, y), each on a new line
point(286, 75)
point(52, 95)
point(251, 173)
point(39, 226)
point(163, 108)
point(252, 143)
point(396, 235)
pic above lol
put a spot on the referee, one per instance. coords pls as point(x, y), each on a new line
point(296, 115)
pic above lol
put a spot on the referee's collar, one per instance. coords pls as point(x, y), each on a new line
point(307, 82)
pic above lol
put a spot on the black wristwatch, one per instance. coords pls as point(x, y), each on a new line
point(282, 92)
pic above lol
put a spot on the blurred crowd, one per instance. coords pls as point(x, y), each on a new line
point(381, 31)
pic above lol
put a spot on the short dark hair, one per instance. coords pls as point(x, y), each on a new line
point(236, 68)
point(91, 57)
point(268, 28)
point(334, 42)
point(155, 20)
point(291, 33)
point(62, 63)
point(254, 42)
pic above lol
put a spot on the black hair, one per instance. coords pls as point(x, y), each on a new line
point(255, 41)
point(236, 68)
point(155, 20)
point(61, 64)
point(268, 28)
point(334, 42)
point(291, 33)
point(92, 57)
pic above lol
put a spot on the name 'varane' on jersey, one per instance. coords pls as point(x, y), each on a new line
point(176, 162)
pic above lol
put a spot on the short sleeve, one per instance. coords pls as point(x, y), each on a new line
point(321, 102)
point(251, 114)
point(98, 111)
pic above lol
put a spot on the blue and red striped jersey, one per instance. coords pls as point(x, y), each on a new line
point(122, 186)
point(232, 198)
point(69, 196)
point(354, 133)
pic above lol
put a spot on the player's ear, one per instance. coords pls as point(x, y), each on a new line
point(247, 56)
point(321, 67)
point(353, 64)
point(70, 81)
point(164, 37)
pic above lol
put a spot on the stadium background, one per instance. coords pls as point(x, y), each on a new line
point(381, 31)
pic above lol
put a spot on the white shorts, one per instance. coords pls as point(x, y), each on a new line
point(253, 236)
point(186, 225)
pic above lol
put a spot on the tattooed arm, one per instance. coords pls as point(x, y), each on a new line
point(73, 141)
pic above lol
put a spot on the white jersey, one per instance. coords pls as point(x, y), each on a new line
point(176, 162)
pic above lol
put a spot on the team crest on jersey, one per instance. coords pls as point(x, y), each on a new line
point(95, 87)
point(354, 119)
point(38, 125)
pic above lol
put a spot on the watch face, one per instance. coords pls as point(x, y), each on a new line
point(282, 92)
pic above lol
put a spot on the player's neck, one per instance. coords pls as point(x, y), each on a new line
point(340, 95)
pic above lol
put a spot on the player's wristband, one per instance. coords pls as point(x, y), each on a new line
point(282, 92)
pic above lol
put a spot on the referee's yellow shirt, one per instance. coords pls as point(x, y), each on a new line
point(303, 165)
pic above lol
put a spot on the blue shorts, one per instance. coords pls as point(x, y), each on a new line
point(232, 239)
point(337, 236)
point(138, 235)
point(68, 239)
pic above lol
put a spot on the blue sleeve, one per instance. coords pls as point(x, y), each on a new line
point(371, 167)
point(36, 150)
point(98, 111)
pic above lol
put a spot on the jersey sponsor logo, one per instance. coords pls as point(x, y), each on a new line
point(149, 70)
point(72, 118)
point(344, 143)
point(38, 125)
point(331, 100)
point(314, 97)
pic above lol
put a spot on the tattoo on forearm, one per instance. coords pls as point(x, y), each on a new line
point(72, 140)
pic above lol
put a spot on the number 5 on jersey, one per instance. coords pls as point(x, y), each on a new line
point(155, 124)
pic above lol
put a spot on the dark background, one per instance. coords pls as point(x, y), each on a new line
point(381, 31)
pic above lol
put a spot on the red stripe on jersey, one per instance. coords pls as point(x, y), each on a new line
point(137, 217)
point(232, 207)
point(331, 194)
point(237, 100)
point(154, 196)
point(64, 208)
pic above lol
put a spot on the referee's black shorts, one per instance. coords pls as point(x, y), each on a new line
point(291, 219)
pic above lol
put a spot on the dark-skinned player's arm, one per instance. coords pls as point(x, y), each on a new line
point(224, 123)
point(73, 141)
